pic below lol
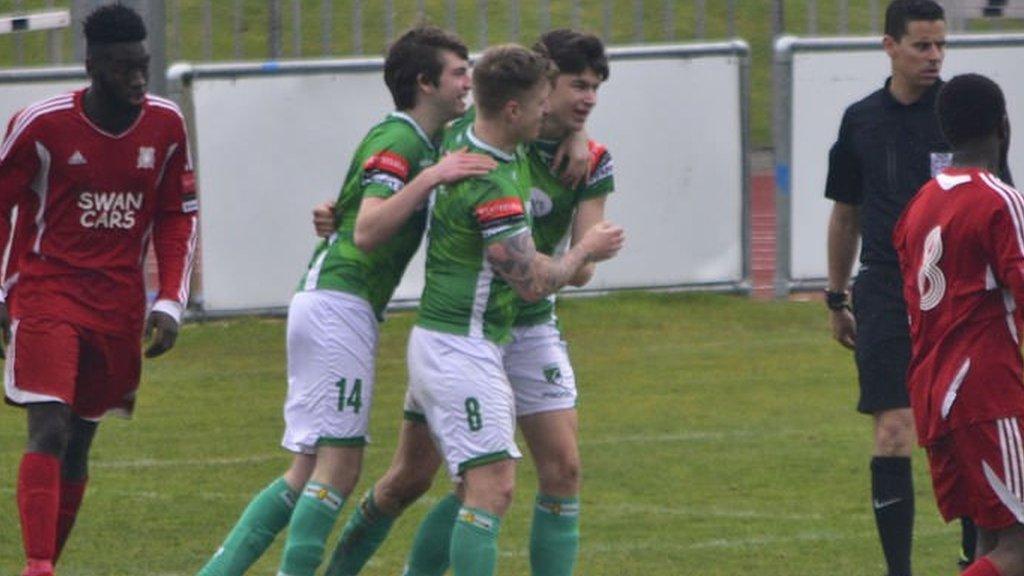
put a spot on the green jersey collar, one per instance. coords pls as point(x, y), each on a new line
point(500, 155)
point(547, 148)
point(415, 126)
point(551, 145)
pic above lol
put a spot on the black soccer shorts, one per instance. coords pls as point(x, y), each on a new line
point(883, 339)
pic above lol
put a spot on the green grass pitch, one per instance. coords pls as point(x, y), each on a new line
point(718, 436)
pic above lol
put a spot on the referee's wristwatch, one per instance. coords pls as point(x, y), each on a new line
point(837, 301)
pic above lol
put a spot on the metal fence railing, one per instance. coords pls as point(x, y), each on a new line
point(258, 30)
point(208, 30)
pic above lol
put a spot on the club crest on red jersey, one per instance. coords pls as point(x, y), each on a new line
point(147, 158)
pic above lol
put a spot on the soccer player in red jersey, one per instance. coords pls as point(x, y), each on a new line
point(961, 251)
point(95, 175)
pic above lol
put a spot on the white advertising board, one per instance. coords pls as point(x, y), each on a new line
point(273, 140)
point(824, 77)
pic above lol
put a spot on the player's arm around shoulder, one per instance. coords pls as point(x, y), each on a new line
point(574, 158)
point(381, 216)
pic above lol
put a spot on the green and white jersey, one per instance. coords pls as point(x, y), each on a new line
point(552, 206)
point(389, 157)
point(463, 295)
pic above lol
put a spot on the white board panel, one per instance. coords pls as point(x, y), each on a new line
point(16, 95)
point(673, 127)
point(269, 146)
point(824, 83)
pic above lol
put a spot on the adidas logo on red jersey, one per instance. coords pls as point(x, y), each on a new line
point(77, 159)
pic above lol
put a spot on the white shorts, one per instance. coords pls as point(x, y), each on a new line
point(332, 347)
point(537, 364)
point(459, 384)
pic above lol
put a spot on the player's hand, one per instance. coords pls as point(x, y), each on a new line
point(5, 329)
point(574, 152)
point(161, 332)
point(460, 164)
point(323, 219)
point(602, 241)
point(844, 327)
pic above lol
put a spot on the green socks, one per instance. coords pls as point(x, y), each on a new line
point(429, 555)
point(474, 550)
point(554, 536)
point(266, 515)
point(312, 521)
point(363, 534)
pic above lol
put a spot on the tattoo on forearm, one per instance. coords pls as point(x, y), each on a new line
point(513, 257)
point(517, 261)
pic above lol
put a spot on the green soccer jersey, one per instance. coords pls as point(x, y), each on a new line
point(463, 295)
point(388, 158)
point(552, 206)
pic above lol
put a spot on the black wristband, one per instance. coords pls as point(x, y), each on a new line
point(837, 300)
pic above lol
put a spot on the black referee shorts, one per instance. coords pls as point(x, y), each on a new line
point(883, 339)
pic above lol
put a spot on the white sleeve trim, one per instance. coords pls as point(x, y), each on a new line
point(171, 308)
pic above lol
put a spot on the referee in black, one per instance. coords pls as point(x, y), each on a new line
point(889, 145)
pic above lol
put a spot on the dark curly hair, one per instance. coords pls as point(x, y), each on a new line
point(418, 51)
point(114, 23)
point(970, 107)
point(574, 52)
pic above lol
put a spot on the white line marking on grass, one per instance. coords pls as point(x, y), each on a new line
point(156, 463)
point(634, 509)
point(693, 436)
point(423, 502)
point(698, 349)
point(655, 545)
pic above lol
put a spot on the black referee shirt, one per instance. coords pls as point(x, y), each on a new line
point(885, 152)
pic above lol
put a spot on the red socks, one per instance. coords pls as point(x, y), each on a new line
point(982, 567)
point(71, 493)
point(38, 497)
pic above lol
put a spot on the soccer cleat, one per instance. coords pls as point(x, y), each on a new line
point(38, 568)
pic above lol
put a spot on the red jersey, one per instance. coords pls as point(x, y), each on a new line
point(88, 203)
point(960, 242)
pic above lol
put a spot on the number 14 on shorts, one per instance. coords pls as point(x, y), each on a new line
point(354, 397)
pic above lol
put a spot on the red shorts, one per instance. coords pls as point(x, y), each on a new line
point(53, 361)
point(978, 472)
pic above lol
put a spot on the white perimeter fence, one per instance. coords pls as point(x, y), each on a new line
point(815, 80)
point(273, 139)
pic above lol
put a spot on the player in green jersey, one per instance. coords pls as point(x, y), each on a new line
point(535, 360)
point(480, 258)
point(333, 318)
